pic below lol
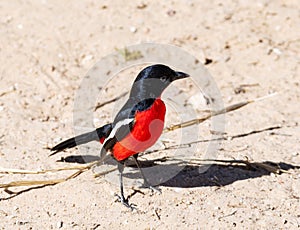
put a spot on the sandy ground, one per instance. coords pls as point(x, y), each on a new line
point(48, 46)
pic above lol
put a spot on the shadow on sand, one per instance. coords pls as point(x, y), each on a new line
point(190, 175)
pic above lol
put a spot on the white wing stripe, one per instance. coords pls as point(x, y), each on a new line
point(117, 126)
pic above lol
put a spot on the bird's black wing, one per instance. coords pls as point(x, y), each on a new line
point(124, 122)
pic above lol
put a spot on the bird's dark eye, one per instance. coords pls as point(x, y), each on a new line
point(164, 78)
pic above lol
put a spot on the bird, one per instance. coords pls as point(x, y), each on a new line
point(138, 124)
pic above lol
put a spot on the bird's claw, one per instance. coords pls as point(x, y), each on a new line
point(125, 202)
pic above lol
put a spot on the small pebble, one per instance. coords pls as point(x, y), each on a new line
point(15, 86)
point(59, 224)
point(133, 29)
point(8, 19)
point(198, 101)
point(96, 120)
point(178, 190)
point(277, 51)
point(272, 175)
point(141, 6)
point(20, 222)
point(86, 59)
point(171, 13)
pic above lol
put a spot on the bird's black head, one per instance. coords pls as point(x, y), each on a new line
point(151, 81)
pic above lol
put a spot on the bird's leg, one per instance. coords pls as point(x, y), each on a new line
point(146, 182)
point(122, 198)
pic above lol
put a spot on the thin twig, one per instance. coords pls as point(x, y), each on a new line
point(276, 169)
point(105, 172)
point(109, 101)
point(47, 182)
point(215, 113)
point(8, 91)
point(224, 138)
point(20, 171)
point(231, 214)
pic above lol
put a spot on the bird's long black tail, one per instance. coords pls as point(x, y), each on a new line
point(96, 135)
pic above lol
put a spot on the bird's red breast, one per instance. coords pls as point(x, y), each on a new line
point(146, 130)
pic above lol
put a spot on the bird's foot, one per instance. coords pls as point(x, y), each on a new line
point(125, 202)
point(152, 188)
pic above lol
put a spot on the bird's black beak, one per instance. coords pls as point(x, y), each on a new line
point(180, 75)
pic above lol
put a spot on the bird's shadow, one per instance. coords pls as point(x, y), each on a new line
point(166, 173)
